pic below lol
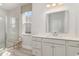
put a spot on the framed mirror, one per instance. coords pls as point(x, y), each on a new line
point(57, 21)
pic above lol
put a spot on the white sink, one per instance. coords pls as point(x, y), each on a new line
point(60, 36)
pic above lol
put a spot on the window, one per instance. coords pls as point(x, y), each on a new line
point(26, 22)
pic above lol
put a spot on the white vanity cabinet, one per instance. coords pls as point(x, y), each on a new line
point(36, 46)
point(72, 51)
point(44, 46)
point(27, 41)
point(52, 47)
point(59, 50)
point(72, 48)
point(47, 49)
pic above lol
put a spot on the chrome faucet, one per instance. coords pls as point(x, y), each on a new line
point(55, 34)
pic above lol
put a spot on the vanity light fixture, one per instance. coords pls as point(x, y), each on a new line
point(53, 5)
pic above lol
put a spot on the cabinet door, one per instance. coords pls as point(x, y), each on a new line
point(36, 52)
point(59, 50)
point(72, 51)
point(36, 44)
point(27, 41)
point(47, 49)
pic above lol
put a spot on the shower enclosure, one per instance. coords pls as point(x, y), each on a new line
point(9, 31)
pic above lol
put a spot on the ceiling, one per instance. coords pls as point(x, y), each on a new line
point(10, 6)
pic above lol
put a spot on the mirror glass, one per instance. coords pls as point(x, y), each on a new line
point(57, 22)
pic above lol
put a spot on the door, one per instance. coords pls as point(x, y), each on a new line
point(48, 49)
point(72, 51)
point(59, 50)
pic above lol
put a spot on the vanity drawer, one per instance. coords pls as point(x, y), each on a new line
point(73, 43)
point(36, 44)
point(55, 41)
point(36, 39)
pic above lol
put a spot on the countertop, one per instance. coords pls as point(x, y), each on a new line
point(60, 36)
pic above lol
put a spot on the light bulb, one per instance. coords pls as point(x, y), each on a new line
point(48, 5)
point(54, 4)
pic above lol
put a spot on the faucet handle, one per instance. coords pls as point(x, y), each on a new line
point(54, 33)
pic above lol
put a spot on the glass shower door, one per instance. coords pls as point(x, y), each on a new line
point(9, 31)
point(12, 31)
point(2, 32)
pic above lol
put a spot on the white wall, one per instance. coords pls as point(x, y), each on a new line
point(38, 21)
point(73, 18)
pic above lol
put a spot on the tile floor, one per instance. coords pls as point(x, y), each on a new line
point(22, 52)
point(16, 52)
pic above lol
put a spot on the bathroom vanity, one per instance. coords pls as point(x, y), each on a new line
point(48, 45)
point(60, 42)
